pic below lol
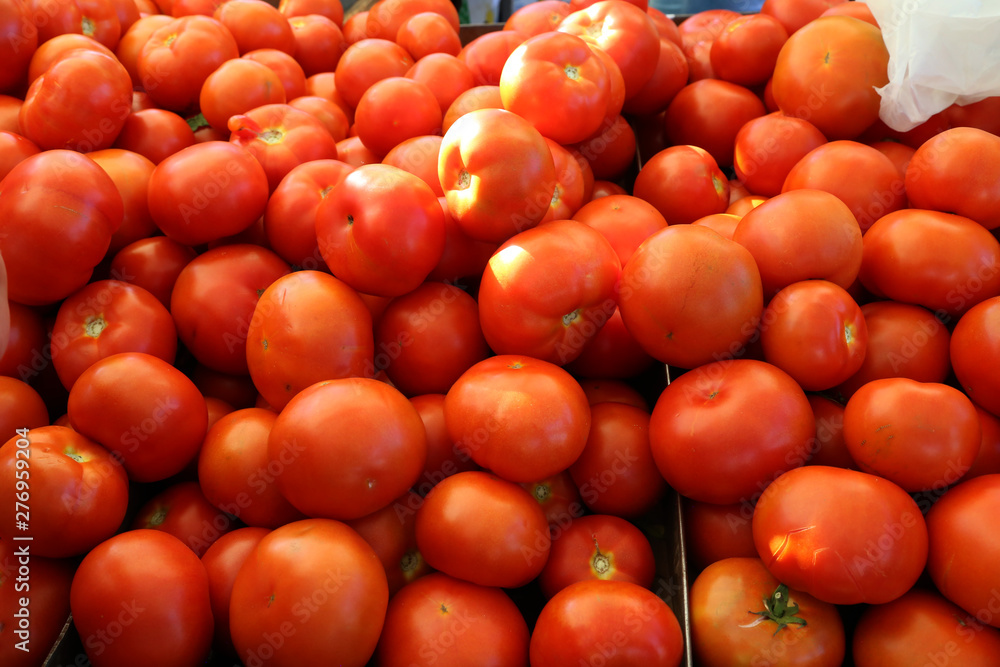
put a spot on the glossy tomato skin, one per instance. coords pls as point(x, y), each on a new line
point(705, 414)
point(441, 618)
point(559, 499)
point(152, 263)
point(767, 148)
point(238, 86)
point(730, 626)
point(21, 406)
point(391, 532)
point(520, 315)
point(395, 109)
point(621, 622)
point(683, 183)
point(687, 317)
point(222, 561)
point(522, 418)
point(974, 351)
point(182, 510)
point(137, 619)
point(865, 543)
point(316, 584)
point(482, 529)
point(50, 255)
point(154, 134)
point(18, 44)
point(347, 447)
point(78, 491)
point(962, 547)
point(367, 61)
point(716, 532)
point(130, 173)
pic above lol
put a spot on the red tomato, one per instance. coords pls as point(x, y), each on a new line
point(687, 317)
point(222, 561)
point(14, 149)
point(962, 547)
point(367, 61)
point(941, 176)
point(598, 547)
point(58, 211)
point(497, 174)
point(22, 406)
point(393, 110)
point(347, 447)
point(426, 33)
point(814, 331)
point(959, 270)
point(827, 73)
point(842, 536)
point(132, 41)
point(537, 17)
point(329, 113)
point(444, 458)
point(615, 622)
point(522, 418)
point(613, 391)
point(742, 614)
point(988, 460)
point(354, 153)
point(974, 351)
point(484, 530)
point(75, 490)
point(237, 391)
point(471, 99)
point(793, 14)
point(706, 415)
point(97, 19)
point(746, 50)
point(256, 25)
point(611, 151)
point(107, 317)
point(445, 75)
point(56, 49)
point(612, 352)
point(130, 173)
point(900, 154)
point(319, 587)
point(442, 618)
point(238, 86)
point(832, 250)
point(419, 156)
point(144, 410)
point(10, 107)
point(684, 183)
point(616, 473)
point(486, 54)
point(293, 77)
point(669, 77)
point(716, 532)
point(183, 511)
point(319, 43)
point(157, 612)
point(17, 44)
point(768, 147)
point(723, 223)
point(829, 448)
point(980, 114)
point(153, 264)
point(385, 19)
point(559, 499)
point(155, 134)
point(331, 9)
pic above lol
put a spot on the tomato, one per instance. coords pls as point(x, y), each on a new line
point(10, 107)
point(385, 19)
point(974, 350)
point(616, 473)
point(827, 73)
point(222, 562)
point(13, 150)
point(130, 173)
point(426, 33)
point(687, 317)
point(157, 612)
point(331, 9)
point(319, 587)
point(829, 448)
point(207, 191)
point(484, 530)
point(17, 44)
point(598, 547)
point(97, 19)
point(46, 600)
point(537, 17)
point(354, 153)
point(709, 114)
point(319, 43)
point(497, 174)
point(293, 77)
point(793, 14)
point(236, 87)
point(613, 391)
point(356, 27)
point(612, 352)
point(900, 154)
point(178, 57)
point(443, 457)
point(153, 264)
point(23, 406)
point(443, 618)
point(522, 418)
point(962, 547)
point(327, 112)
point(741, 614)
point(471, 99)
point(814, 331)
point(339, 467)
point(132, 41)
point(486, 54)
point(941, 176)
point(395, 109)
point(445, 75)
point(142, 409)
point(78, 491)
point(256, 25)
point(613, 623)
point(367, 61)
point(57, 48)
point(559, 499)
point(723, 223)
point(669, 77)
point(864, 542)
point(391, 532)
point(236, 390)
point(988, 460)
point(704, 415)
point(957, 272)
point(155, 134)
point(307, 327)
point(58, 211)
point(874, 190)
point(715, 532)
point(611, 151)
point(980, 114)
point(746, 50)
point(831, 251)
point(625, 32)
point(419, 156)
point(919, 626)
point(215, 329)
point(766, 149)
point(183, 511)
point(684, 183)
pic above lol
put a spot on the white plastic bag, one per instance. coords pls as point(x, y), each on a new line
point(941, 52)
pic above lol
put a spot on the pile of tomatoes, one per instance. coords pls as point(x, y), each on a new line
point(334, 341)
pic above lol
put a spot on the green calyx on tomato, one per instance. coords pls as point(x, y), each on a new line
point(779, 609)
point(197, 122)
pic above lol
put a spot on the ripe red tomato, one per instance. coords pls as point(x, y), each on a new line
point(827, 73)
point(446, 76)
point(444, 459)
point(21, 406)
point(391, 533)
point(559, 499)
point(77, 490)
point(840, 535)
point(988, 460)
point(130, 173)
point(684, 183)
point(256, 25)
point(829, 448)
point(393, 110)
point(477, 97)
point(238, 86)
point(537, 17)
point(924, 626)
point(58, 211)
point(766, 149)
point(441, 618)
point(293, 77)
point(331, 9)
point(793, 14)
point(17, 45)
point(522, 418)
point(606, 622)
point(484, 530)
point(384, 19)
point(157, 611)
point(142, 409)
point(319, 43)
point(974, 351)
point(486, 54)
point(14, 149)
point(427, 33)
point(222, 561)
point(312, 592)
point(155, 134)
point(669, 77)
point(705, 414)
point(367, 61)
point(962, 547)
point(747, 48)
point(152, 263)
point(419, 156)
point(716, 532)
point(183, 511)
point(132, 40)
